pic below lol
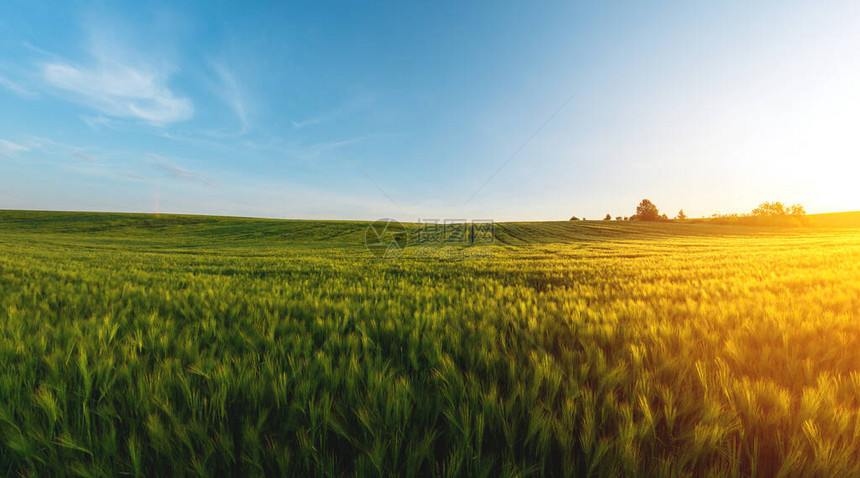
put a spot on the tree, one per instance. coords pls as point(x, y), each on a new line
point(797, 210)
point(618, 218)
point(647, 211)
point(574, 218)
point(681, 216)
point(778, 209)
point(770, 209)
point(608, 217)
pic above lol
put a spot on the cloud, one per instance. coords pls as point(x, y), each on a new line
point(344, 110)
point(302, 124)
point(97, 122)
point(119, 90)
point(230, 93)
point(59, 149)
point(118, 81)
point(14, 87)
point(177, 172)
point(88, 157)
point(10, 147)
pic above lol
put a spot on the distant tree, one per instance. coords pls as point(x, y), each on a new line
point(664, 217)
point(681, 216)
point(646, 211)
point(574, 218)
point(626, 218)
point(797, 210)
point(618, 218)
point(608, 217)
point(778, 209)
point(770, 209)
point(767, 214)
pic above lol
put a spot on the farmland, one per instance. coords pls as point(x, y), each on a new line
point(189, 345)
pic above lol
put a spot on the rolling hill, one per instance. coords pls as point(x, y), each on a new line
point(134, 344)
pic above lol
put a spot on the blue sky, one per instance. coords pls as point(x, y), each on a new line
point(348, 111)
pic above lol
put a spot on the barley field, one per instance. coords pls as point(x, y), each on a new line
point(139, 345)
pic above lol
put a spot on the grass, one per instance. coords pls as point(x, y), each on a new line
point(184, 345)
point(836, 219)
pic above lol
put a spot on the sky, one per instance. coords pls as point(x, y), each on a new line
point(442, 110)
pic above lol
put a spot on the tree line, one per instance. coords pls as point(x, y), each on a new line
point(767, 213)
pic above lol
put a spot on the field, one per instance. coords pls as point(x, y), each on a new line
point(184, 345)
point(836, 219)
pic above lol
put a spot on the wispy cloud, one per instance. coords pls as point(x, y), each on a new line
point(230, 92)
point(120, 90)
point(15, 87)
point(10, 147)
point(321, 118)
point(36, 49)
point(118, 82)
point(307, 122)
point(58, 148)
point(96, 160)
point(98, 122)
point(89, 157)
point(177, 172)
point(346, 109)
